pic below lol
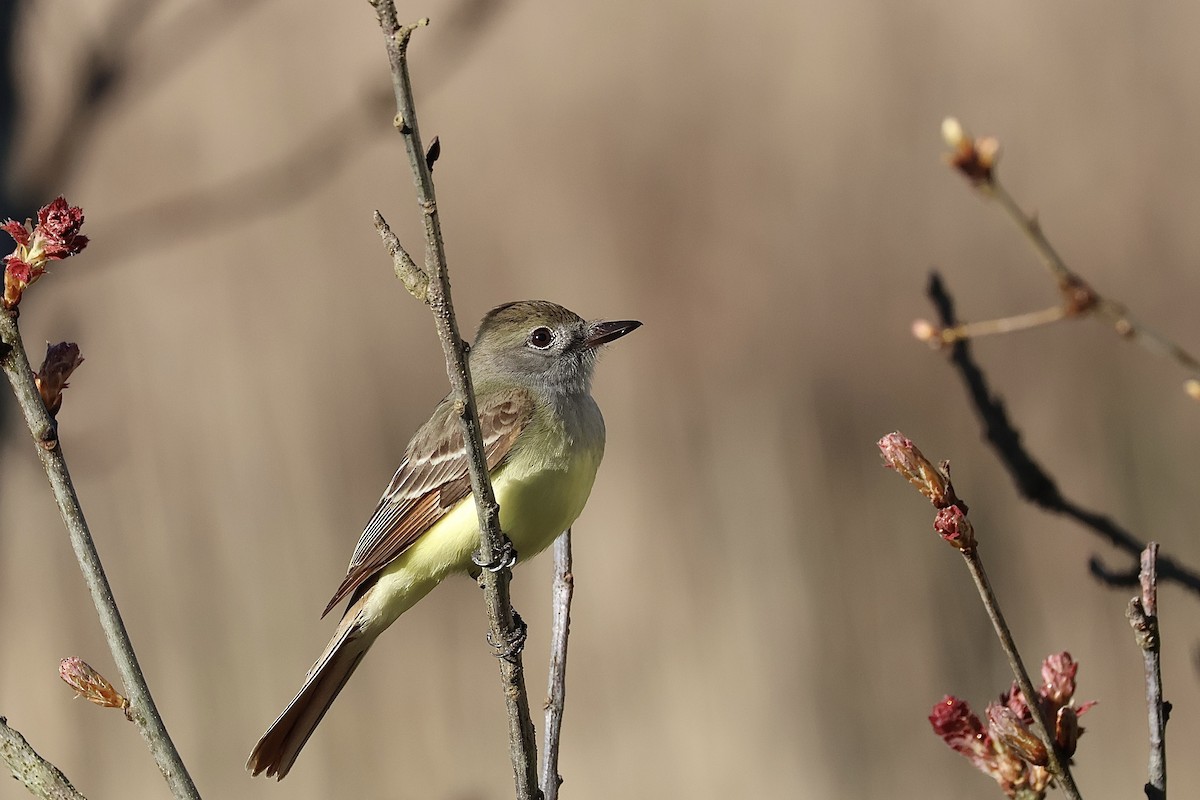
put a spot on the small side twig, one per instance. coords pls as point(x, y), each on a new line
point(556, 691)
point(35, 773)
point(505, 632)
point(1143, 617)
point(15, 364)
point(1032, 481)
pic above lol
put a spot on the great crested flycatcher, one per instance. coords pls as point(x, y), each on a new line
point(543, 438)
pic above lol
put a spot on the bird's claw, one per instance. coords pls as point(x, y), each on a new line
point(511, 644)
point(506, 558)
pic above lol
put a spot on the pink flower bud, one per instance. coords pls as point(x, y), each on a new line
point(55, 237)
point(90, 684)
point(953, 526)
point(900, 454)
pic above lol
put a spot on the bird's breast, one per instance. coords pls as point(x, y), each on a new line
point(539, 500)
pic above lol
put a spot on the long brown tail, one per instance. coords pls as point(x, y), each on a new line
point(276, 751)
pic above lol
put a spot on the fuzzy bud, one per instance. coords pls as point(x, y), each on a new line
point(90, 684)
point(900, 454)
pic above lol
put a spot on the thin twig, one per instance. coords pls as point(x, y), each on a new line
point(1143, 617)
point(991, 327)
point(1070, 281)
point(556, 692)
point(35, 773)
point(505, 632)
point(1032, 228)
point(414, 277)
point(1058, 766)
point(15, 364)
point(977, 160)
point(1032, 481)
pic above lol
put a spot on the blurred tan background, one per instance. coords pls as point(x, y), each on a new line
point(761, 610)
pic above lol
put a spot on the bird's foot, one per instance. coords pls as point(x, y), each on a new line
point(510, 645)
point(506, 558)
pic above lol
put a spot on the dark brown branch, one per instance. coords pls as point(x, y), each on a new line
point(15, 364)
point(556, 692)
point(35, 773)
point(505, 632)
point(1143, 617)
point(1032, 481)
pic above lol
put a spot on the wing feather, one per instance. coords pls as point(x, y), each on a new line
point(431, 480)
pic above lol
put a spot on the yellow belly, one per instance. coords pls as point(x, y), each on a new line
point(536, 505)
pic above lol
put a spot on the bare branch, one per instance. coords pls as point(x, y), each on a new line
point(15, 364)
point(35, 773)
point(556, 692)
point(505, 631)
point(1143, 618)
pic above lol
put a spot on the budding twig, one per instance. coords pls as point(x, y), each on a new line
point(15, 364)
point(977, 160)
point(951, 522)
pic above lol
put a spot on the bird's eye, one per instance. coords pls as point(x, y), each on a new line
point(541, 338)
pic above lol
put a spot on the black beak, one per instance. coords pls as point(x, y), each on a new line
point(604, 332)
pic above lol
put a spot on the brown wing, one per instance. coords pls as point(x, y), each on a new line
point(431, 480)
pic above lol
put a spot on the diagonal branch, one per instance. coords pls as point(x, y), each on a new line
point(15, 363)
point(35, 773)
point(505, 631)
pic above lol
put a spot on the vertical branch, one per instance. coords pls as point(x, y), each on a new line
point(15, 364)
point(1143, 617)
point(495, 551)
point(556, 692)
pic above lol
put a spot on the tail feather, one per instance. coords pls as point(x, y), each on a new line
point(276, 751)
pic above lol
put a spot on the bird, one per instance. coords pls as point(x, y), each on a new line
point(531, 364)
